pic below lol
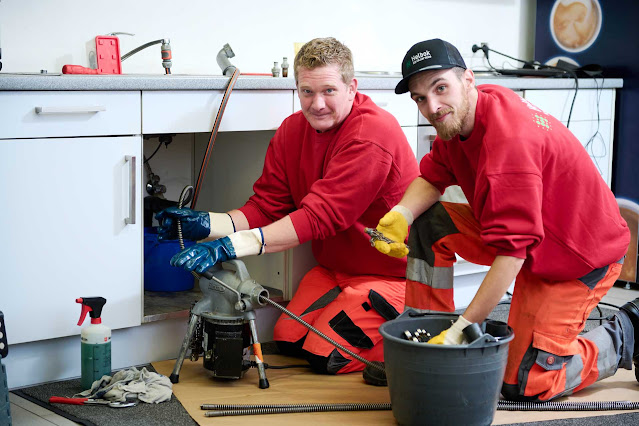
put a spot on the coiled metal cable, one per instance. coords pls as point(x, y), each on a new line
point(243, 410)
point(322, 335)
point(567, 406)
point(222, 410)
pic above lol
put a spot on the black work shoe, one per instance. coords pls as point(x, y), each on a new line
point(374, 376)
point(632, 309)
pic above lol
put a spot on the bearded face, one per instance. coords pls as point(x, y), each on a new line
point(443, 97)
point(450, 121)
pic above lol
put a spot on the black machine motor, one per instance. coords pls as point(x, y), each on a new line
point(222, 324)
point(226, 347)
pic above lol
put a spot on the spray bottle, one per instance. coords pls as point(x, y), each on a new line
point(96, 342)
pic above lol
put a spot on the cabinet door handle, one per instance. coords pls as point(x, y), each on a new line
point(69, 109)
point(131, 160)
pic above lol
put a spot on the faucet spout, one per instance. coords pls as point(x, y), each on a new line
point(223, 60)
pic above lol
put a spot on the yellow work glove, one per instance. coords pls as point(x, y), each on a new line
point(439, 339)
point(394, 227)
point(454, 335)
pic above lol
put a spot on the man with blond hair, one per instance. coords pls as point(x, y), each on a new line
point(331, 170)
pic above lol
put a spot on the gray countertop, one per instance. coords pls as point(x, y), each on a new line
point(26, 81)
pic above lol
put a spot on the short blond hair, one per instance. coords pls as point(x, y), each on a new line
point(325, 51)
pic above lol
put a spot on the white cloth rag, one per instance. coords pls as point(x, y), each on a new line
point(131, 384)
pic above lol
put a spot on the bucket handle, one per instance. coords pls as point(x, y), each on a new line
point(414, 314)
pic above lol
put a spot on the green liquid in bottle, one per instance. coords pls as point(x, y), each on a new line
point(96, 362)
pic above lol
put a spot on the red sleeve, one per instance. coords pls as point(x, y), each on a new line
point(510, 209)
point(353, 178)
point(509, 192)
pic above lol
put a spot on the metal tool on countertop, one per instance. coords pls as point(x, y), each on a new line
point(90, 401)
point(378, 236)
point(104, 55)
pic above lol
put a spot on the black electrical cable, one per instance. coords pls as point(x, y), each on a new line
point(590, 143)
point(574, 75)
point(484, 48)
point(146, 160)
point(281, 367)
point(609, 304)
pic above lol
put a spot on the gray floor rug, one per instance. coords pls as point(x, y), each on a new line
point(166, 413)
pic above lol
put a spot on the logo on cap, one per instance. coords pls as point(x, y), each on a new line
point(421, 56)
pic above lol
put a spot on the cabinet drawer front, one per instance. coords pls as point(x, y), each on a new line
point(55, 114)
point(188, 111)
point(588, 104)
point(402, 107)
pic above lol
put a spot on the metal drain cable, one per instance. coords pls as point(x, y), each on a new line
point(185, 196)
point(223, 410)
point(567, 406)
point(240, 410)
point(322, 335)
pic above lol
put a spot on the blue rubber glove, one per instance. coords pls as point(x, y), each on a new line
point(196, 225)
point(204, 256)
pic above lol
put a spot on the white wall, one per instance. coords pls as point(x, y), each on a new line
point(47, 34)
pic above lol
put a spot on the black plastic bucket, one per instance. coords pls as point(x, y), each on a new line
point(444, 385)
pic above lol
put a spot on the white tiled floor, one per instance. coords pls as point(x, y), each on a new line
point(26, 413)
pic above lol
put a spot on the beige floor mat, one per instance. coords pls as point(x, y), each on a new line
point(300, 385)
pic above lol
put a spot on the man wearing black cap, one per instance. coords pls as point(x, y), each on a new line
point(538, 212)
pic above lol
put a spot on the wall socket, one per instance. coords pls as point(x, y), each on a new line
point(485, 51)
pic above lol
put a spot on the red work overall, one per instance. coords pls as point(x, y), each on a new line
point(347, 308)
point(547, 358)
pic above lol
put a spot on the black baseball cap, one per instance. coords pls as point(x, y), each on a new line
point(428, 55)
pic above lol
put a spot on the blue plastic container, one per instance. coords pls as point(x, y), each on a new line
point(159, 275)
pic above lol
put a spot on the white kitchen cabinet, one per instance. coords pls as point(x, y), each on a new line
point(71, 217)
point(71, 228)
point(189, 111)
point(403, 108)
point(412, 138)
point(73, 113)
point(588, 104)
